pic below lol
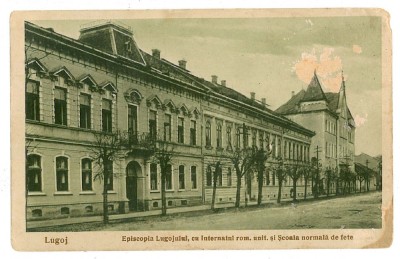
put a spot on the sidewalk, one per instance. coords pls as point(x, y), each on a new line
point(77, 220)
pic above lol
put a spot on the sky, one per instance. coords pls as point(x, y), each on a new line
point(273, 57)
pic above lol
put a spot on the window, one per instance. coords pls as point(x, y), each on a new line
point(208, 134)
point(167, 127)
point(84, 111)
point(153, 177)
point(273, 177)
point(32, 101)
point(153, 124)
point(238, 138)
point(62, 173)
point(209, 176)
point(181, 122)
point(273, 146)
point(229, 177)
point(285, 150)
point(34, 173)
point(132, 119)
point(193, 133)
point(168, 178)
point(219, 176)
point(60, 106)
point(181, 177)
point(229, 136)
point(290, 150)
point(219, 135)
point(106, 115)
point(86, 174)
point(279, 148)
point(193, 177)
point(254, 138)
point(261, 139)
point(109, 176)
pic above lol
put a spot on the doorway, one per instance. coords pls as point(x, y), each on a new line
point(132, 173)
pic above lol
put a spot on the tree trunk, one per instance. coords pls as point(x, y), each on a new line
point(328, 183)
point(279, 191)
point(294, 189)
point(163, 196)
point(214, 189)
point(238, 186)
point(105, 201)
point(260, 185)
point(305, 189)
point(360, 185)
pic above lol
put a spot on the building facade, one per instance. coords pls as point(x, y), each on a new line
point(328, 115)
point(103, 82)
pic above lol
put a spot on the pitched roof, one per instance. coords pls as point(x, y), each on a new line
point(292, 106)
point(314, 91)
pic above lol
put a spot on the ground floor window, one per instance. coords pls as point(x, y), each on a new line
point(193, 176)
point(168, 178)
point(181, 177)
point(153, 177)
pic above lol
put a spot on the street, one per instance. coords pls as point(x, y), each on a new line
point(357, 211)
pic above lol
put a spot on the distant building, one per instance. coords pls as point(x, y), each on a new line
point(328, 115)
point(367, 162)
point(103, 82)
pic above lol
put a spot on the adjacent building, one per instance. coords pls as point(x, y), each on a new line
point(103, 82)
point(328, 115)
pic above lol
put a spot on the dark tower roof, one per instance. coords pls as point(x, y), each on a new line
point(314, 91)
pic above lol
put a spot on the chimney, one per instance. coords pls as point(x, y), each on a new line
point(292, 93)
point(252, 96)
point(223, 83)
point(182, 63)
point(214, 79)
point(156, 53)
point(263, 101)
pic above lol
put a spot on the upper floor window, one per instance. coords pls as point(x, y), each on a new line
point(153, 124)
point(32, 101)
point(84, 111)
point(193, 133)
point(62, 173)
point(60, 106)
point(261, 139)
point(229, 136)
point(208, 134)
point(167, 127)
point(132, 119)
point(238, 138)
point(87, 175)
point(34, 173)
point(106, 115)
point(181, 136)
point(219, 135)
point(254, 138)
point(153, 177)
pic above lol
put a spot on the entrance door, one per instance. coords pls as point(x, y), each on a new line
point(131, 186)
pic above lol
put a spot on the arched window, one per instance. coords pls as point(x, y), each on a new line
point(34, 173)
point(229, 136)
point(62, 173)
point(229, 177)
point(261, 139)
point(86, 174)
point(168, 178)
point(254, 138)
point(208, 134)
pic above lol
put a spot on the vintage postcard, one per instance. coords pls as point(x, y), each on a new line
point(201, 129)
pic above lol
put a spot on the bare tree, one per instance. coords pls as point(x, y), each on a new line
point(104, 151)
point(281, 173)
point(330, 176)
point(216, 176)
point(294, 171)
point(242, 160)
point(307, 175)
point(163, 154)
point(260, 158)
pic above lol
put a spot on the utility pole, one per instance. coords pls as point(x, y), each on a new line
point(367, 180)
point(317, 150)
point(246, 176)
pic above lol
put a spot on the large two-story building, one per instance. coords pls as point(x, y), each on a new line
point(103, 82)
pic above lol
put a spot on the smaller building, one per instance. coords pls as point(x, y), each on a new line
point(366, 165)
